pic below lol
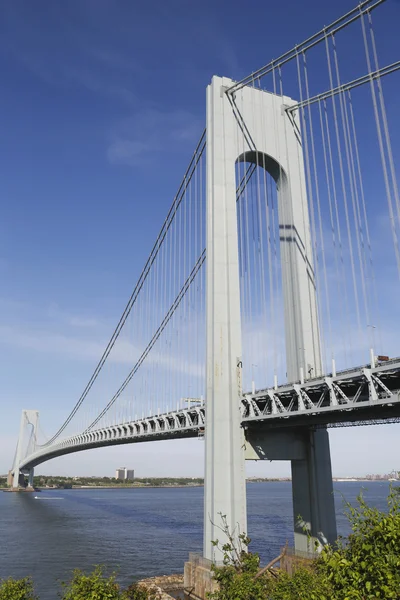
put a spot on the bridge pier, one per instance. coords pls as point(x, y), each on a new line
point(18, 454)
point(28, 417)
point(10, 478)
point(30, 477)
point(17, 480)
point(312, 488)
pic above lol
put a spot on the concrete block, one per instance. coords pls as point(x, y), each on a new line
point(198, 578)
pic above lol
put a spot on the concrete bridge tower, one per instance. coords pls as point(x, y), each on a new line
point(253, 126)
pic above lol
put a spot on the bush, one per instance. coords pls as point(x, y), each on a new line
point(238, 581)
point(304, 584)
point(95, 586)
point(139, 592)
point(244, 581)
point(17, 589)
point(366, 567)
point(135, 592)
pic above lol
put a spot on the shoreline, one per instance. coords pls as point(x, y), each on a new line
point(195, 485)
point(121, 487)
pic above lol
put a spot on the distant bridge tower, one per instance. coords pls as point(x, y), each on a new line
point(28, 417)
point(253, 126)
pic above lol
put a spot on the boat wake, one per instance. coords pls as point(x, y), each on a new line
point(47, 498)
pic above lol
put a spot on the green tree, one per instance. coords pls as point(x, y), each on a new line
point(304, 584)
point(94, 586)
point(368, 565)
point(17, 589)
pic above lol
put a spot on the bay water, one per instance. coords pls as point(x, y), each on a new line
point(139, 532)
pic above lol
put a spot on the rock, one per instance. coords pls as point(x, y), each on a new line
point(163, 584)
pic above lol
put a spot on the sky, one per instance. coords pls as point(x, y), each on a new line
point(102, 104)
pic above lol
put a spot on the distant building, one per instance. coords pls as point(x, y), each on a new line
point(124, 473)
point(120, 473)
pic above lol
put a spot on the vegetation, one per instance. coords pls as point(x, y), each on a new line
point(71, 482)
point(139, 592)
point(366, 567)
point(97, 585)
point(17, 589)
point(59, 482)
point(240, 577)
point(68, 482)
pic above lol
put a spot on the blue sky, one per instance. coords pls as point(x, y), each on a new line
point(102, 104)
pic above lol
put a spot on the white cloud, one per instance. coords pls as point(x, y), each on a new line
point(9, 304)
point(149, 131)
point(123, 353)
point(83, 322)
point(127, 152)
point(64, 317)
point(42, 341)
point(115, 60)
point(81, 60)
point(95, 81)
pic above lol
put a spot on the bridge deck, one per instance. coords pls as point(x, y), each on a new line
point(360, 395)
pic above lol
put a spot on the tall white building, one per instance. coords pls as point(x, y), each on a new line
point(120, 473)
point(123, 473)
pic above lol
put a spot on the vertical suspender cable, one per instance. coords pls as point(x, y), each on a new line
point(318, 203)
point(332, 224)
point(350, 166)
point(344, 194)
point(384, 120)
point(311, 204)
point(263, 282)
point(365, 218)
point(382, 151)
point(344, 278)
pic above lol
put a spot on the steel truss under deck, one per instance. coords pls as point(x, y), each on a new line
point(363, 395)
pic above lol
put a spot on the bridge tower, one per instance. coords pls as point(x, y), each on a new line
point(28, 417)
point(253, 126)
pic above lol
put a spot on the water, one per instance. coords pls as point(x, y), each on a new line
point(139, 532)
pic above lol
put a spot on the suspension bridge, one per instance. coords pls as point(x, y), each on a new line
point(276, 272)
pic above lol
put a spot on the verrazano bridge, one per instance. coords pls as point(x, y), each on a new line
point(276, 270)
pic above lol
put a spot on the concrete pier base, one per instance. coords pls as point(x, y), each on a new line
point(313, 501)
point(10, 478)
point(30, 478)
point(198, 577)
point(293, 560)
point(312, 488)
